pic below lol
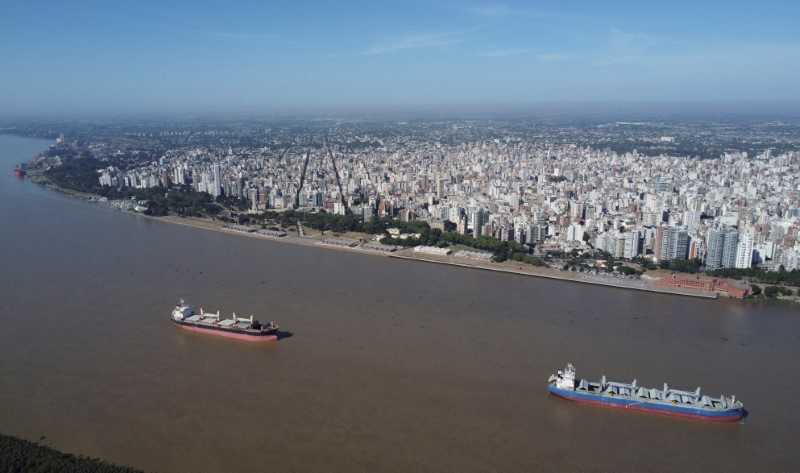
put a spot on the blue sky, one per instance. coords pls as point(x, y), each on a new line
point(137, 56)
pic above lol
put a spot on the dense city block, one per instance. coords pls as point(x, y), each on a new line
point(685, 196)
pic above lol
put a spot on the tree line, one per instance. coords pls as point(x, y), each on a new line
point(781, 276)
point(17, 455)
point(326, 221)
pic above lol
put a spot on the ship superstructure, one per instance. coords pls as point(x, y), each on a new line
point(629, 396)
point(243, 328)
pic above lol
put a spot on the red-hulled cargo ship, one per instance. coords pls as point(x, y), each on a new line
point(243, 328)
point(19, 171)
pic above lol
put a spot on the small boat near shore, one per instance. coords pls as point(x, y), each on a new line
point(242, 328)
point(666, 402)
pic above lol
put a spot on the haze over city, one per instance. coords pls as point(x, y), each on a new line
point(443, 235)
point(89, 58)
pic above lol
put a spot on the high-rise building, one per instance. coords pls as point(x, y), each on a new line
point(461, 225)
point(476, 222)
point(576, 209)
point(365, 211)
point(678, 243)
point(632, 244)
point(537, 232)
point(660, 243)
point(253, 195)
point(217, 190)
point(670, 243)
point(696, 248)
point(519, 233)
point(721, 245)
point(789, 259)
point(574, 232)
point(730, 241)
point(619, 246)
point(663, 184)
point(744, 251)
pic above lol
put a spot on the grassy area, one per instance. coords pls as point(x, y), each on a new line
point(17, 455)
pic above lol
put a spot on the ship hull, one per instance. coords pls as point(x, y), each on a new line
point(668, 410)
point(221, 332)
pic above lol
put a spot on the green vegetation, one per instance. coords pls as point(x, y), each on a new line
point(789, 278)
point(682, 266)
point(17, 455)
point(324, 221)
point(502, 250)
point(627, 270)
point(775, 291)
point(184, 202)
point(321, 220)
point(80, 174)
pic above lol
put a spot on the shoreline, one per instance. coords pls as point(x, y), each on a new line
point(508, 267)
point(553, 274)
point(29, 455)
point(407, 254)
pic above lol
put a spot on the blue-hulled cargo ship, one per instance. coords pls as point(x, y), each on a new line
point(667, 402)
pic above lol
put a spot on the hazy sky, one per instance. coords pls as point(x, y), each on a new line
point(228, 56)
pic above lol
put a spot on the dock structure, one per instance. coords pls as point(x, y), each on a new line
point(272, 233)
point(432, 250)
point(339, 242)
point(379, 247)
point(241, 228)
point(476, 255)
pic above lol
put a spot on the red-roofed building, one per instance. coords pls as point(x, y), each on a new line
point(729, 287)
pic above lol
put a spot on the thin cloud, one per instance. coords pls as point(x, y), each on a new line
point(436, 40)
point(209, 33)
point(554, 57)
point(505, 52)
point(232, 35)
point(485, 10)
point(623, 39)
point(501, 10)
point(627, 48)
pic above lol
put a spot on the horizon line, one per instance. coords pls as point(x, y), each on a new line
point(744, 107)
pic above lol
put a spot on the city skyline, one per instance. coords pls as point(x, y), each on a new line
point(248, 57)
point(510, 181)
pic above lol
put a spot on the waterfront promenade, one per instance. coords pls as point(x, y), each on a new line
point(511, 267)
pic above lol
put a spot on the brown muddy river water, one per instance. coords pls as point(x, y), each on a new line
point(387, 365)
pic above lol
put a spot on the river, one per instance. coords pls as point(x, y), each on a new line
point(387, 365)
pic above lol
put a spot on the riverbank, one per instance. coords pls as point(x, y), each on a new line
point(510, 267)
point(317, 239)
point(388, 361)
point(37, 176)
point(21, 455)
point(618, 282)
